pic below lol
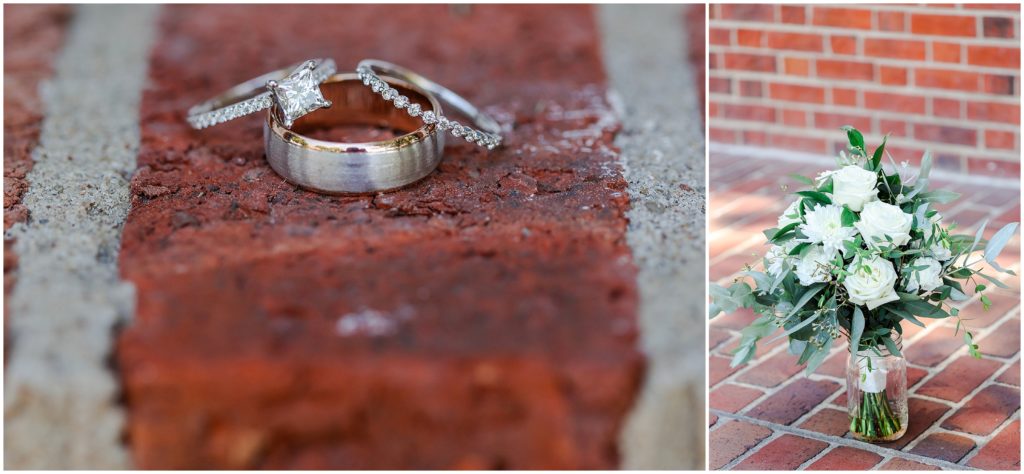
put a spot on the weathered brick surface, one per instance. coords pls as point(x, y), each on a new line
point(971, 399)
point(785, 453)
point(939, 77)
point(486, 313)
point(900, 464)
point(1002, 453)
point(733, 439)
point(845, 458)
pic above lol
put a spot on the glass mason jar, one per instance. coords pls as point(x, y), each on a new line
point(876, 393)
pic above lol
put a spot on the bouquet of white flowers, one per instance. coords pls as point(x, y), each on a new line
point(856, 255)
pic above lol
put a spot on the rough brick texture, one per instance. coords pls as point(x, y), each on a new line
point(939, 77)
point(486, 313)
point(963, 411)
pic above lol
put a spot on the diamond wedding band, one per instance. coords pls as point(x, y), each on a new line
point(343, 168)
point(489, 133)
point(294, 91)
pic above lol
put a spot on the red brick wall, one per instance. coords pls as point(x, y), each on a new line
point(940, 77)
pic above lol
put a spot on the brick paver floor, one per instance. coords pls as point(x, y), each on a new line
point(964, 413)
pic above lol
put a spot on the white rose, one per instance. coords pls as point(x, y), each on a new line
point(824, 225)
point(871, 282)
point(814, 267)
point(854, 186)
point(879, 220)
point(790, 215)
point(927, 278)
point(940, 250)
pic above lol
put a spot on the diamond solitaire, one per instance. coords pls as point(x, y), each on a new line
point(298, 94)
point(295, 91)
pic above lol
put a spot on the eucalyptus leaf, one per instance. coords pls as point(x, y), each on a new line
point(857, 328)
point(940, 196)
point(997, 242)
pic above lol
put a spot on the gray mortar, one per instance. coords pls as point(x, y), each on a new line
point(60, 395)
point(662, 145)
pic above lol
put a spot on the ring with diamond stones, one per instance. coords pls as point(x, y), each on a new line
point(356, 168)
point(489, 135)
point(294, 90)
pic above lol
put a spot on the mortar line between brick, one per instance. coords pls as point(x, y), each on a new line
point(841, 441)
point(657, 105)
point(60, 395)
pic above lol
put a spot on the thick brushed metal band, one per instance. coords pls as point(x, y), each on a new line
point(344, 168)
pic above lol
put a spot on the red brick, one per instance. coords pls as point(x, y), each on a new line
point(748, 112)
point(994, 112)
point(234, 359)
point(994, 56)
point(844, 458)
point(907, 104)
point(985, 411)
point(947, 79)
point(795, 41)
point(935, 347)
point(978, 317)
point(749, 12)
point(785, 453)
point(842, 44)
point(717, 337)
point(990, 167)
point(923, 414)
point(828, 421)
point(797, 66)
point(891, 21)
point(772, 371)
point(946, 134)
point(732, 440)
point(721, 135)
point(795, 14)
point(945, 446)
point(900, 464)
point(793, 401)
point(999, 84)
point(1002, 453)
point(750, 62)
point(846, 70)
point(942, 25)
point(797, 93)
point(959, 379)
point(751, 38)
point(841, 96)
point(732, 398)
point(890, 48)
point(997, 27)
point(1011, 375)
point(751, 88)
point(719, 36)
point(1004, 341)
point(718, 368)
point(949, 108)
point(842, 17)
point(1010, 7)
point(795, 118)
point(999, 140)
point(946, 52)
point(719, 85)
point(801, 143)
point(892, 76)
point(825, 120)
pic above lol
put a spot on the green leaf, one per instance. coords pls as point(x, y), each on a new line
point(799, 248)
point(848, 217)
point(924, 309)
point(876, 159)
point(977, 236)
point(940, 196)
point(815, 360)
point(889, 344)
point(996, 244)
point(905, 315)
point(804, 323)
point(810, 293)
point(802, 179)
point(783, 231)
point(856, 329)
point(856, 139)
point(815, 196)
point(994, 281)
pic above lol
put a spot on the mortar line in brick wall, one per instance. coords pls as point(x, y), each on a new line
point(803, 466)
point(867, 86)
point(835, 440)
point(762, 153)
point(925, 119)
point(866, 33)
point(661, 119)
point(60, 395)
point(753, 450)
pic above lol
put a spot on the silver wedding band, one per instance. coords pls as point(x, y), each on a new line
point(347, 168)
